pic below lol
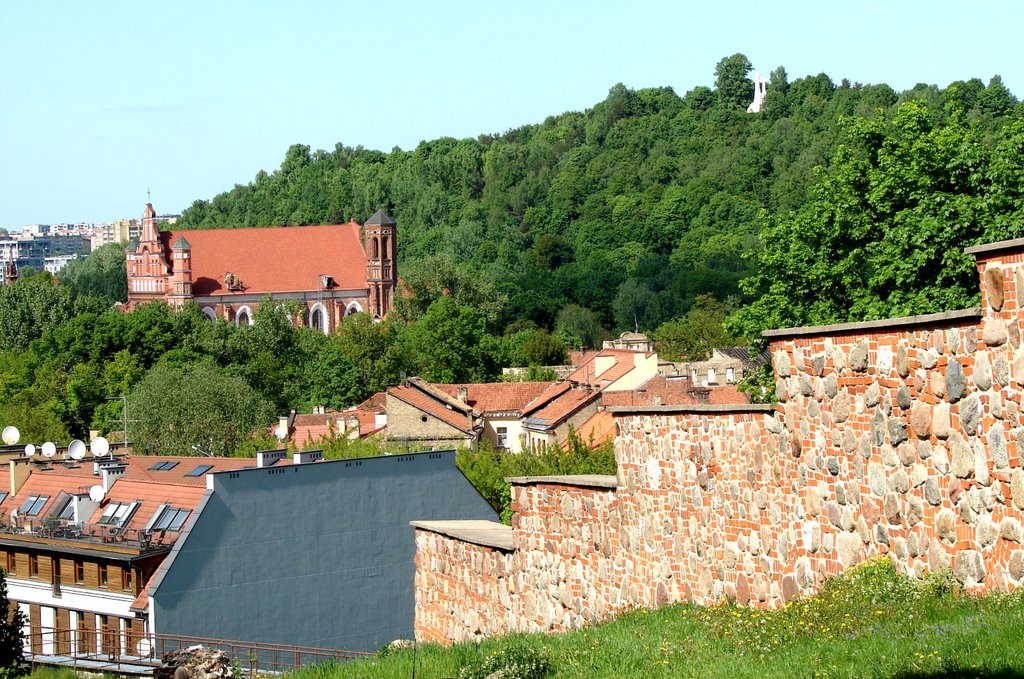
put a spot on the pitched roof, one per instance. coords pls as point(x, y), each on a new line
point(180, 487)
point(380, 218)
point(496, 396)
point(445, 412)
point(279, 259)
point(586, 373)
point(562, 407)
point(743, 354)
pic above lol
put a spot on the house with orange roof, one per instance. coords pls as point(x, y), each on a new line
point(80, 541)
point(309, 430)
point(460, 414)
point(117, 556)
point(571, 403)
point(331, 270)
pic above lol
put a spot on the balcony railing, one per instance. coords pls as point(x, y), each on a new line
point(132, 653)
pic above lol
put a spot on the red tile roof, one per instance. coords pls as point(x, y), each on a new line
point(625, 361)
point(281, 259)
point(422, 401)
point(151, 488)
point(496, 396)
point(565, 405)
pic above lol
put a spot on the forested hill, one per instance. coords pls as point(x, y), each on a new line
point(624, 214)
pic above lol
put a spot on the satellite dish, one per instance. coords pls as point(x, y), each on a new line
point(30, 450)
point(100, 447)
point(144, 648)
point(49, 449)
point(76, 449)
point(96, 493)
point(11, 435)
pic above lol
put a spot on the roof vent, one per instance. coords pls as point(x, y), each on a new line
point(307, 457)
point(269, 458)
point(326, 282)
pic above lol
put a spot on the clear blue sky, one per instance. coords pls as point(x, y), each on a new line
point(101, 100)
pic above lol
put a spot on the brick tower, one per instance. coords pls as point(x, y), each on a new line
point(381, 274)
point(181, 253)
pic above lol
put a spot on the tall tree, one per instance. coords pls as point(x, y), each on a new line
point(731, 82)
point(194, 411)
point(12, 622)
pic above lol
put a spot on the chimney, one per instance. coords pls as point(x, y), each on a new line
point(269, 457)
point(307, 457)
point(318, 410)
point(282, 428)
point(110, 474)
point(463, 394)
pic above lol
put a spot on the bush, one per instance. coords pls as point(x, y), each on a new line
point(512, 662)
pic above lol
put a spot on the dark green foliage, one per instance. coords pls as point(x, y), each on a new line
point(884, 230)
point(11, 625)
point(630, 209)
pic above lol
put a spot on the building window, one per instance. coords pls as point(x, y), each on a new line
point(11, 562)
point(33, 566)
point(104, 581)
point(33, 505)
point(79, 571)
point(318, 318)
point(243, 317)
point(502, 437)
point(712, 378)
point(171, 518)
point(66, 512)
point(127, 583)
point(730, 375)
point(117, 513)
point(209, 313)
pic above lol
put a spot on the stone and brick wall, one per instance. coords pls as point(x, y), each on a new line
point(898, 437)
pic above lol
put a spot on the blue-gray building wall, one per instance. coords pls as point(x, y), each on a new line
point(313, 555)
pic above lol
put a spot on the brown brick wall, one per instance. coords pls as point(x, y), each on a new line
point(899, 440)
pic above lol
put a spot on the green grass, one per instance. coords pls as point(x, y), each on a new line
point(868, 622)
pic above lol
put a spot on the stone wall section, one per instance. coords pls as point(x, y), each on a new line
point(463, 591)
point(898, 437)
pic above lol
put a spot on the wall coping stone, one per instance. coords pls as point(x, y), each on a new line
point(477, 532)
point(986, 248)
point(694, 408)
point(883, 324)
point(586, 480)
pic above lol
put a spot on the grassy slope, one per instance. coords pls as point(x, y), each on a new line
point(868, 622)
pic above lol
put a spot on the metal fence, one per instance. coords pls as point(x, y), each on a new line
point(133, 653)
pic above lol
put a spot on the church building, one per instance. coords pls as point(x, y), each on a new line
point(332, 270)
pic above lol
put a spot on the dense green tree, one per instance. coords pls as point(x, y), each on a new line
point(195, 411)
point(884, 232)
point(450, 344)
point(101, 274)
point(534, 347)
point(692, 337)
point(733, 86)
point(31, 307)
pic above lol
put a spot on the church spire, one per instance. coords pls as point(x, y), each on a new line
point(10, 269)
point(150, 234)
